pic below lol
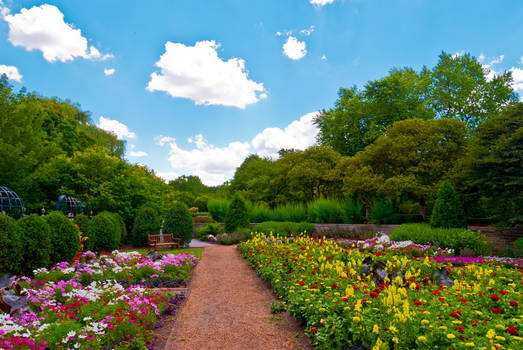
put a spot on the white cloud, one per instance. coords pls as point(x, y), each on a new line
point(308, 31)
point(11, 72)
point(321, 2)
point(137, 154)
point(109, 71)
point(300, 134)
point(517, 76)
point(491, 73)
point(481, 58)
point(197, 73)
point(324, 58)
point(458, 54)
point(43, 28)
point(294, 49)
point(163, 140)
point(212, 164)
point(521, 59)
point(119, 129)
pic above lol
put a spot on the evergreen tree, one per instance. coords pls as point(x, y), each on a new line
point(179, 222)
point(237, 215)
point(447, 212)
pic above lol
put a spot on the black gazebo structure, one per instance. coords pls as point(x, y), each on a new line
point(10, 203)
point(69, 205)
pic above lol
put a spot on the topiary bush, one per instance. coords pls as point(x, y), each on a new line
point(146, 222)
point(218, 209)
point(284, 228)
point(65, 241)
point(325, 211)
point(447, 211)
point(179, 222)
point(36, 243)
point(237, 214)
point(84, 224)
point(105, 232)
point(10, 245)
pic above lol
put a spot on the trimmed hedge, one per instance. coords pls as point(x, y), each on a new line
point(237, 214)
point(36, 243)
point(146, 222)
point(10, 245)
point(65, 241)
point(284, 228)
point(454, 238)
point(179, 222)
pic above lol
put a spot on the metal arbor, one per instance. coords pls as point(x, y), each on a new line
point(69, 205)
point(10, 203)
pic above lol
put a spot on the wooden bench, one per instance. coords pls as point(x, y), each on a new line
point(163, 241)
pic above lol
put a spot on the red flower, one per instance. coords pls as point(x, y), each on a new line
point(496, 311)
point(494, 297)
point(512, 330)
point(301, 283)
point(504, 292)
point(418, 302)
point(345, 299)
point(460, 329)
point(334, 285)
point(441, 299)
point(514, 303)
point(373, 295)
point(314, 329)
point(313, 272)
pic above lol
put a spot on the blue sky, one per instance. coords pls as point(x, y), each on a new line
point(196, 86)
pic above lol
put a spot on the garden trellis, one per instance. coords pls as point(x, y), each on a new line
point(69, 205)
point(10, 203)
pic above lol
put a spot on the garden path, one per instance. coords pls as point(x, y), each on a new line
point(229, 308)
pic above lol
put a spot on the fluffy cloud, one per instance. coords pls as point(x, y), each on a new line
point(215, 165)
point(294, 49)
point(168, 176)
point(43, 28)
point(109, 71)
point(212, 164)
point(137, 154)
point(300, 134)
point(517, 84)
point(11, 72)
point(119, 129)
point(323, 58)
point(491, 73)
point(321, 2)
point(197, 73)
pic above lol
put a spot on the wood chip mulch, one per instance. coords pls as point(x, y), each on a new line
point(229, 308)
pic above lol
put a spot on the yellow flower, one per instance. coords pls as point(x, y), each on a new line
point(422, 338)
point(425, 321)
point(500, 326)
point(396, 340)
point(500, 338)
point(456, 322)
point(470, 344)
point(322, 309)
point(491, 333)
point(356, 319)
point(443, 327)
point(378, 344)
point(451, 336)
point(375, 329)
point(393, 329)
point(517, 338)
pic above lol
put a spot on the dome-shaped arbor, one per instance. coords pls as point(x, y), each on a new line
point(68, 204)
point(10, 203)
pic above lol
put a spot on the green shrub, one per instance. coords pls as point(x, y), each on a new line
point(36, 242)
point(82, 221)
point(289, 212)
point(179, 222)
point(233, 238)
point(325, 211)
point(284, 228)
point(353, 211)
point(237, 214)
point(382, 212)
point(218, 209)
point(454, 238)
point(260, 213)
point(146, 222)
point(104, 231)
point(10, 245)
point(447, 211)
point(210, 229)
point(120, 227)
point(201, 203)
point(84, 224)
point(65, 242)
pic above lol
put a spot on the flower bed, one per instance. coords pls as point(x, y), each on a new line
point(68, 310)
point(384, 301)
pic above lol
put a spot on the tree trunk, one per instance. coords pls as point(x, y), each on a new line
point(422, 207)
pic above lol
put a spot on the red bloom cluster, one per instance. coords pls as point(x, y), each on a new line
point(494, 297)
point(512, 330)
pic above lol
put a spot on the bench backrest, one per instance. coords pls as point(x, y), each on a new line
point(161, 238)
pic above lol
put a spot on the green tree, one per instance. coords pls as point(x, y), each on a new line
point(252, 178)
point(493, 164)
point(237, 215)
point(447, 212)
point(179, 222)
point(65, 241)
point(36, 243)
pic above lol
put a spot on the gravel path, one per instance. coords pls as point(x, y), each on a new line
point(229, 308)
